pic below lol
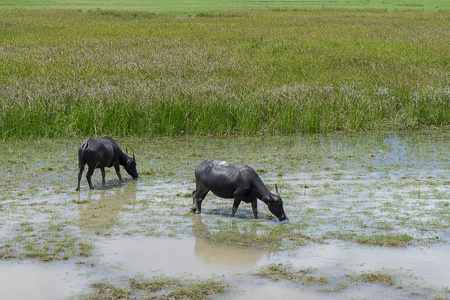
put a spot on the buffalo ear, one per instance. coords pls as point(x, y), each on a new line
point(126, 150)
point(134, 159)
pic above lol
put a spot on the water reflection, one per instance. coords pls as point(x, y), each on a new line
point(99, 210)
point(128, 256)
point(213, 254)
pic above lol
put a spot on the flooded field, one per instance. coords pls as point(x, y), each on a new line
point(369, 217)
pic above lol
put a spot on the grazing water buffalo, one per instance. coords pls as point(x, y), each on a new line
point(238, 181)
point(101, 153)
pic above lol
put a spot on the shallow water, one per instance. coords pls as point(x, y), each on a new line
point(28, 280)
point(332, 185)
point(175, 256)
point(124, 257)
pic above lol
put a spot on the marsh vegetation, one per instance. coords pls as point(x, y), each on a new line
point(68, 73)
point(365, 206)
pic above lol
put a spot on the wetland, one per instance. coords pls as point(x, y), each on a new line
point(369, 217)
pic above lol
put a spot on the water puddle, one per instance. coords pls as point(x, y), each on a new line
point(148, 256)
point(341, 193)
point(124, 257)
point(50, 281)
point(428, 264)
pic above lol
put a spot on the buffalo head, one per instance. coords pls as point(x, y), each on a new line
point(130, 166)
point(275, 204)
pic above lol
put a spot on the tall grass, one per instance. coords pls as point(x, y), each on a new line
point(65, 73)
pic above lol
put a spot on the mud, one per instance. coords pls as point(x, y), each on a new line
point(339, 190)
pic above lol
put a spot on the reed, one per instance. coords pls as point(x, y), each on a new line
point(65, 73)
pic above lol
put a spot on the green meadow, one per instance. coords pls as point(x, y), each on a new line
point(248, 71)
point(193, 7)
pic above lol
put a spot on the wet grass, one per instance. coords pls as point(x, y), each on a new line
point(322, 182)
point(330, 284)
point(251, 234)
point(158, 287)
point(66, 73)
point(343, 284)
point(379, 277)
point(386, 190)
point(394, 240)
point(54, 242)
point(277, 272)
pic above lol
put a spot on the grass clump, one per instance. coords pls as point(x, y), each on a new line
point(379, 277)
point(389, 240)
point(197, 290)
point(277, 272)
point(154, 284)
point(108, 291)
point(158, 287)
point(397, 240)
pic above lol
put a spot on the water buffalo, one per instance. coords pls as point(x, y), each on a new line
point(100, 153)
point(238, 181)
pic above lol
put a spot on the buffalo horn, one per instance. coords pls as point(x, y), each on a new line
point(276, 190)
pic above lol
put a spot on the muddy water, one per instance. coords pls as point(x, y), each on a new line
point(173, 256)
point(28, 280)
point(334, 186)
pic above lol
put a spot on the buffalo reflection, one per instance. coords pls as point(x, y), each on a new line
point(213, 254)
point(98, 212)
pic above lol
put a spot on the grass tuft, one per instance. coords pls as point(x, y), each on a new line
point(379, 277)
point(276, 272)
point(398, 240)
point(389, 240)
point(158, 287)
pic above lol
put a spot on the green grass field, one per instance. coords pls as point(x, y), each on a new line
point(193, 7)
point(71, 72)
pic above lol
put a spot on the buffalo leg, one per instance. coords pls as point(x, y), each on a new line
point(117, 167)
point(80, 174)
point(198, 197)
point(103, 175)
point(255, 208)
point(239, 194)
point(235, 206)
point(89, 175)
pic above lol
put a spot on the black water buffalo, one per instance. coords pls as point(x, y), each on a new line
point(101, 153)
point(238, 181)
